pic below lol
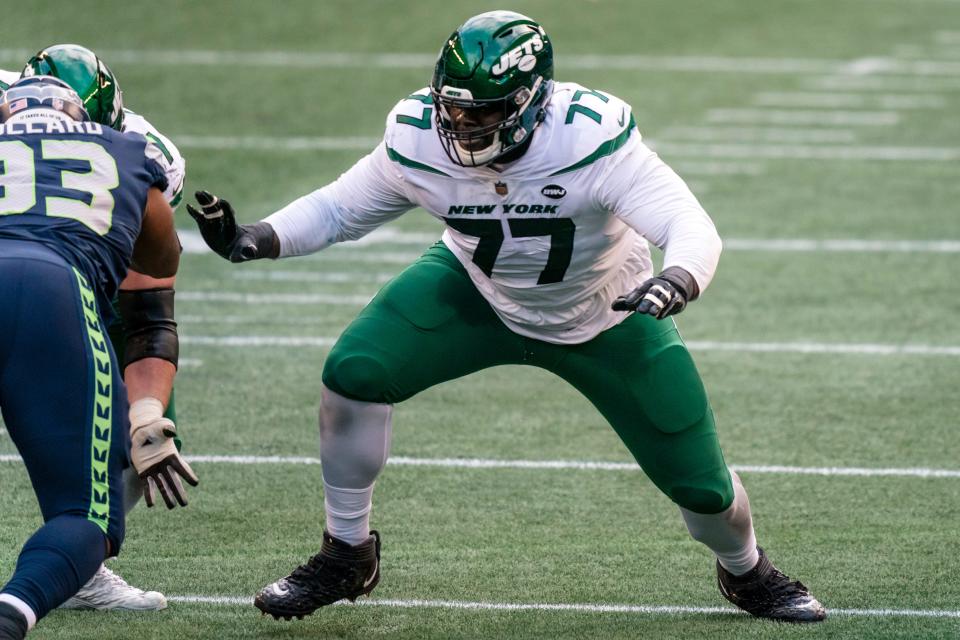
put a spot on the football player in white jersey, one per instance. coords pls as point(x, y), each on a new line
point(549, 198)
point(147, 335)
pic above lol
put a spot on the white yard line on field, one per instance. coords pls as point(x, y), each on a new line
point(832, 100)
point(947, 37)
point(574, 607)
point(805, 152)
point(717, 168)
point(720, 133)
point(575, 465)
point(695, 345)
point(240, 297)
point(736, 150)
point(425, 61)
point(804, 117)
point(849, 245)
point(267, 143)
point(258, 341)
point(880, 83)
point(326, 277)
point(193, 244)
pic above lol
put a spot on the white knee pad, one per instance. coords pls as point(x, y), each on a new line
point(354, 440)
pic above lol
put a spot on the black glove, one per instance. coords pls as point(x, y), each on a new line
point(662, 296)
point(236, 243)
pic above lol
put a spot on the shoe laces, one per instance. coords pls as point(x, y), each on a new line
point(779, 585)
point(106, 575)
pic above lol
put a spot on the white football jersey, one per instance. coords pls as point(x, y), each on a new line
point(549, 240)
point(174, 166)
point(7, 78)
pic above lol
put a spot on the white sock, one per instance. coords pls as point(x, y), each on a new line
point(22, 607)
point(354, 445)
point(348, 513)
point(729, 534)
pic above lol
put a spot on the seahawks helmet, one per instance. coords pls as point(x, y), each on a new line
point(87, 74)
point(492, 83)
point(41, 92)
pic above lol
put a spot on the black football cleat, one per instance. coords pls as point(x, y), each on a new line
point(13, 625)
point(766, 593)
point(338, 572)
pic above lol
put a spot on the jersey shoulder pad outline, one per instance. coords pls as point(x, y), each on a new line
point(589, 124)
point(173, 164)
point(410, 135)
point(7, 78)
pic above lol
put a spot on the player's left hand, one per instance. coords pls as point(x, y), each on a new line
point(661, 296)
point(235, 242)
point(155, 456)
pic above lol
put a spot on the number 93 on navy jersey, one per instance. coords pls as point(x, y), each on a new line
point(78, 188)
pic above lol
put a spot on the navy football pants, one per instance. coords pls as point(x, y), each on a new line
point(65, 408)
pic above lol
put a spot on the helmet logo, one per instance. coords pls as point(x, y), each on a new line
point(521, 57)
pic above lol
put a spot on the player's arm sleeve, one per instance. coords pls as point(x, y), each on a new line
point(368, 195)
point(643, 191)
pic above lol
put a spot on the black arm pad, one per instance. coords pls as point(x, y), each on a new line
point(148, 325)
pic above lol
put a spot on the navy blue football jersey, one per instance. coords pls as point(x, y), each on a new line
point(80, 189)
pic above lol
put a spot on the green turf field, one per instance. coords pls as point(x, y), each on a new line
point(822, 137)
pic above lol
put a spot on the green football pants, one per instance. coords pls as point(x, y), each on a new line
point(430, 324)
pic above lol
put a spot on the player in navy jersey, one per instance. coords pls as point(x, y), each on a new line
point(79, 204)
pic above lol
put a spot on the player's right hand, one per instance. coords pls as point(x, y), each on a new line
point(154, 454)
point(219, 228)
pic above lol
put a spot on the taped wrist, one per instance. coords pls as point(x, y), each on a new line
point(145, 411)
point(265, 238)
point(682, 280)
point(148, 325)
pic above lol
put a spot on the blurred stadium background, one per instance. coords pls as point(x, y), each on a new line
point(822, 137)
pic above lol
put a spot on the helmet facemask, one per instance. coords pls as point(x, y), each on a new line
point(491, 85)
point(475, 132)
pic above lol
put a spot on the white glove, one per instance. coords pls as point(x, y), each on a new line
point(155, 456)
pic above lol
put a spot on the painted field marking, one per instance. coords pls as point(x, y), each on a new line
point(240, 297)
point(833, 100)
point(807, 152)
point(735, 150)
point(947, 37)
point(804, 117)
point(326, 277)
point(849, 245)
point(425, 61)
point(194, 244)
point(708, 168)
point(823, 348)
point(573, 607)
point(575, 465)
point(880, 83)
point(720, 133)
point(279, 320)
point(273, 143)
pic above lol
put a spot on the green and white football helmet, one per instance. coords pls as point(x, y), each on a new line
point(491, 84)
point(87, 74)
